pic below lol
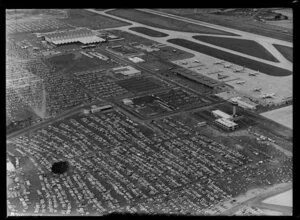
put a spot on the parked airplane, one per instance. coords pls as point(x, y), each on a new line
point(268, 95)
point(219, 62)
point(214, 72)
point(254, 74)
point(227, 65)
point(257, 89)
point(220, 76)
point(240, 70)
point(240, 82)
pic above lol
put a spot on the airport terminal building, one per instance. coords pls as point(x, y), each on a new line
point(81, 35)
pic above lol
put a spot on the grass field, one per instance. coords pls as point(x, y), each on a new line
point(287, 52)
point(61, 61)
point(81, 63)
point(282, 116)
point(149, 32)
point(248, 63)
point(83, 18)
point(283, 199)
point(239, 23)
point(164, 22)
point(249, 47)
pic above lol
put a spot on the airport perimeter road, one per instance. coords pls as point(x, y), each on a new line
point(283, 62)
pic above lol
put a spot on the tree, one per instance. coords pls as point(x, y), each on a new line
point(60, 167)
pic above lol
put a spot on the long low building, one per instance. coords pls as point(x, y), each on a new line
point(126, 70)
point(83, 35)
point(197, 77)
point(219, 114)
point(227, 124)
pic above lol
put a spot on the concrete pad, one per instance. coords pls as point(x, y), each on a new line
point(281, 86)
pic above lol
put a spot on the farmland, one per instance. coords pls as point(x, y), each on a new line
point(287, 52)
point(242, 61)
point(249, 47)
point(163, 22)
point(149, 32)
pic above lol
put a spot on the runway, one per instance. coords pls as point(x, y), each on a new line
point(266, 42)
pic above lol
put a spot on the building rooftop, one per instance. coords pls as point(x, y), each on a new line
point(226, 122)
point(221, 114)
point(126, 70)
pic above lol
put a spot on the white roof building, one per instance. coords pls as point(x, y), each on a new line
point(220, 114)
point(136, 59)
point(10, 166)
point(84, 36)
point(126, 70)
point(127, 101)
point(227, 123)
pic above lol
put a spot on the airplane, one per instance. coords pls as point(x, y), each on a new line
point(219, 62)
point(220, 76)
point(254, 74)
point(218, 71)
point(257, 89)
point(227, 65)
point(268, 95)
point(287, 98)
point(240, 82)
point(240, 70)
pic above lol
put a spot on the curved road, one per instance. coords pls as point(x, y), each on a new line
point(264, 41)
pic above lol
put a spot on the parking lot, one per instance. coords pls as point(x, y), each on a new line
point(105, 174)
